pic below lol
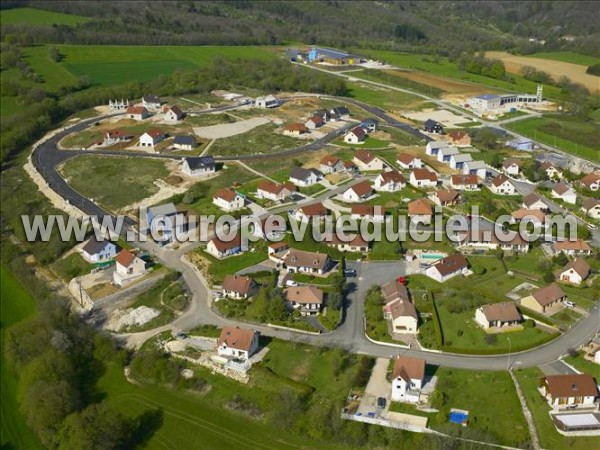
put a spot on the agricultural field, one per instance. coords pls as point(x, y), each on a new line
point(556, 68)
point(443, 68)
point(17, 305)
point(114, 182)
point(34, 16)
point(568, 57)
point(566, 133)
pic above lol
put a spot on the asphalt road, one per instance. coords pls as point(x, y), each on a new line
point(350, 335)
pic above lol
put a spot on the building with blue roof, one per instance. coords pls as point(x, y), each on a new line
point(331, 56)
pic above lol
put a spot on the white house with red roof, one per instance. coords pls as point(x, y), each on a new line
point(408, 378)
point(355, 136)
point(390, 181)
point(228, 200)
point(237, 343)
point(172, 114)
point(152, 137)
point(128, 268)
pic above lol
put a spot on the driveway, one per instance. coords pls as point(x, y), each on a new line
point(378, 386)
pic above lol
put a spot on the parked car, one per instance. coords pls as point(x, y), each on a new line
point(381, 402)
point(569, 304)
point(350, 272)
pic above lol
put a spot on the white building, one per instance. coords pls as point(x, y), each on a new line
point(228, 200)
point(564, 391)
point(358, 193)
point(408, 161)
point(152, 137)
point(575, 272)
point(198, 166)
point(267, 102)
point(390, 181)
point(447, 268)
point(484, 101)
point(95, 251)
point(501, 185)
point(366, 160)
point(128, 268)
point(237, 343)
point(478, 168)
point(305, 177)
point(591, 207)
point(565, 193)
point(423, 178)
point(408, 378)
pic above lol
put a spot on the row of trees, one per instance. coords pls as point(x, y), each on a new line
point(480, 65)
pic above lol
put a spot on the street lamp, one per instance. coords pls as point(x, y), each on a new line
point(509, 349)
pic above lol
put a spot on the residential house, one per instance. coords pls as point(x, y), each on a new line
point(350, 243)
point(307, 262)
point(420, 211)
point(166, 223)
point(314, 122)
point(572, 248)
point(399, 309)
point(433, 147)
point(408, 161)
point(390, 181)
point(172, 114)
point(196, 166)
point(314, 211)
point(366, 160)
point(445, 197)
point(96, 251)
point(458, 161)
point(238, 343)
point(591, 207)
point(565, 193)
point(431, 126)
point(306, 299)
point(569, 391)
point(277, 249)
point(521, 144)
point(358, 193)
point(221, 248)
point(375, 213)
point(273, 191)
point(184, 142)
point(534, 201)
point(355, 136)
point(551, 171)
point(305, 177)
point(448, 267)
point(468, 182)
point(501, 185)
point(239, 287)
point(267, 102)
point(350, 167)
point(512, 166)
point(339, 113)
point(151, 101)
point(331, 164)
point(152, 137)
point(544, 299)
point(498, 315)
point(478, 168)
point(323, 114)
point(228, 200)
point(485, 239)
point(295, 129)
point(128, 268)
point(459, 138)
point(575, 272)
point(445, 153)
point(112, 137)
point(137, 113)
point(370, 125)
point(423, 178)
point(534, 216)
point(591, 181)
point(408, 378)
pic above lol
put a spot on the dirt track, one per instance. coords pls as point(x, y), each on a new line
point(557, 69)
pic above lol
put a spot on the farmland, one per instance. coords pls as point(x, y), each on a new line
point(17, 305)
point(566, 133)
point(568, 57)
point(555, 68)
point(114, 182)
point(33, 16)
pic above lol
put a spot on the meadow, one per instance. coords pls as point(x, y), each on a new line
point(568, 57)
point(566, 133)
point(33, 16)
point(17, 305)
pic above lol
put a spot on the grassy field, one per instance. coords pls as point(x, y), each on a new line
point(500, 422)
point(71, 266)
point(33, 16)
point(566, 133)
point(9, 106)
point(16, 305)
point(568, 57)
point(384, 98)
point(369, 142)
point(583, 365)
point(549, 437)
point(114, 182)
point(262, 139)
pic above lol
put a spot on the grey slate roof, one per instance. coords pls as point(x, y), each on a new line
point(185, 140)
point(300, 173)
point(94, 246)
point(197, 162)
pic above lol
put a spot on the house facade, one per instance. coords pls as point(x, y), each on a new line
point(198, 166)
point(591, 207)
point(358, 193)
point(152, 137)
point(468, 182)
point(128, 268)
point(308, 300)
point(408, 161)
point(96, 251)
point(331, 164)
point(222, 249)
point(137, 113)
point(447, 268)
point(501, 185)
point(568, 391)
point(228, 200)
point(498, 315)
point(355, 135)
point(545, 299)
point(237, 343)
point(239, 287)
point(575, 272)
point(299, 261)
point(366, 160)
point(408, 378)
point(423, 178)
point(272, 191)
point(305, 177)
point(390, 181)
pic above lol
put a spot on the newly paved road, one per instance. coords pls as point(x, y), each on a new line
point(350, 335)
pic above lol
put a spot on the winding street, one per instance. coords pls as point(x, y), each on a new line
point(350, 334)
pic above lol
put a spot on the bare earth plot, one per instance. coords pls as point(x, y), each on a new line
point(445, 117)
point(557, 69)
point(230, 129)
point(446, 84)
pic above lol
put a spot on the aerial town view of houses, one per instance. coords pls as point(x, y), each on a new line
point(211, 275)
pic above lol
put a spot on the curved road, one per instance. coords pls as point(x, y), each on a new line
point(350, 335)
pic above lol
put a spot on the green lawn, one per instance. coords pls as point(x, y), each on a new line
point(369, 142)
point(262, 139)
point(218, 268)
point(564, 132)
point(549, 438)
point(568, 57)
point(394, 78)
point(9, 107)
point(583, 365)
point(71, 267)
point(492, 402)
point(114, 182)
point(34, 16)
point(388, 99)
point(16, 305)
